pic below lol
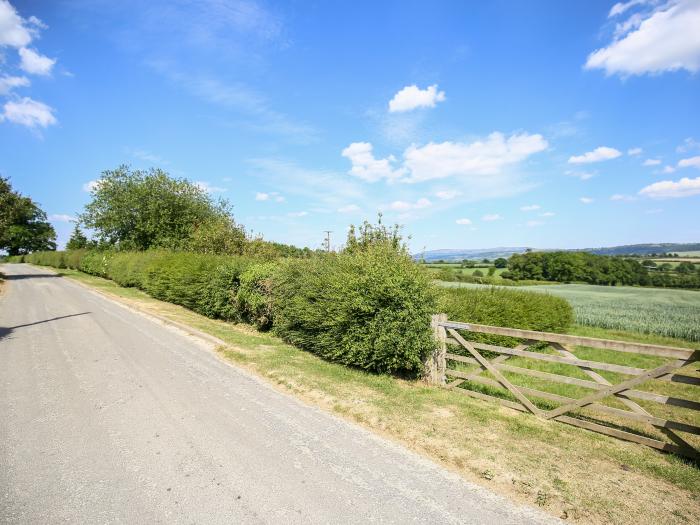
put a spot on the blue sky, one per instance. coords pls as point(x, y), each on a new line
point(475, 124)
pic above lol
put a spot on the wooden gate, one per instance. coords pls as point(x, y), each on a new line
point(601, 391)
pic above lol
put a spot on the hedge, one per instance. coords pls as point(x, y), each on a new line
point(370, 310)
point(507, 307)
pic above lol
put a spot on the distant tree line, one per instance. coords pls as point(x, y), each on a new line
point(588, 268)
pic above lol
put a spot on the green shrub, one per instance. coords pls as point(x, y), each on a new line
point(506, 307)
point(369, 309)
point(129, 268)
point(95, 263)
point(254, 297)
point(206, 284)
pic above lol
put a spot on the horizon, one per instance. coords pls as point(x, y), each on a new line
point(499, 124)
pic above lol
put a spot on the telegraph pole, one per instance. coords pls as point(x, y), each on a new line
point(328, 240)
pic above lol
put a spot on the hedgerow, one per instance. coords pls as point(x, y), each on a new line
point(506, 307)
point(369, 309)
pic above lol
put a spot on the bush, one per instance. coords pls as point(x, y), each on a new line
point(369, 309)
point(206, 284)
point(254, 297)
point(506, 307)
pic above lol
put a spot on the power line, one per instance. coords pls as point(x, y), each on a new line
point(328, 240)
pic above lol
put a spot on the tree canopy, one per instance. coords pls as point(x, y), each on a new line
point(137, 210)
point(23, 224)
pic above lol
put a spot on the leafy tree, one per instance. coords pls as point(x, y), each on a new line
point(685, 267)
point(478, 273)
point(137, 210)
point(367, 235)
point(77, 239)
point(492, 271)
point(500, 263)
point(23, 225)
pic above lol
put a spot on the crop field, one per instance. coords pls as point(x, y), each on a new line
point(665, 312)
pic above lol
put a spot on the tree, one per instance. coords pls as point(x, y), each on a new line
point(367, 234)
point(23, 225)
point(500, 263)
point(77, 239)
point(137, 210)
point(478, 273)
point(685, 267)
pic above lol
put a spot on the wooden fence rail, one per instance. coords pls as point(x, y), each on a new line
point(558, 349)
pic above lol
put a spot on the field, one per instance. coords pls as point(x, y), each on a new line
point(665, 312)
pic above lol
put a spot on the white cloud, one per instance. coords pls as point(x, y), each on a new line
point(13, 31)
point(147, 156)
point(350, 208)
point(651, 162)
point(262, 196)
point(35, 63)
point(91, 185)
point(531, 207)
point(634, 151)
point(366, 167)
point(597, 155)
point(447, 195)
point(620, 197)
point(405, 206)
point(533, 223)
point(7, 83)
point(465, 222)
point(208, 187)
point(28, 112)
point(491, 217)
point(689, 144)
point(483, 157)
point(672, 189)
point(586, 200)
point(668, 169)
point(547, 214)
point(298, 214)
point(692, 161)
point(412, 97)
point(583, 175)
point(664, 38)
point(60, 217)
point(621, 7)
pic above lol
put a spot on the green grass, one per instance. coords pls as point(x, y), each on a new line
point(658, 311)
point(594, 477)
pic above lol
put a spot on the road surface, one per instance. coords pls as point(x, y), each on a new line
point(107, 416)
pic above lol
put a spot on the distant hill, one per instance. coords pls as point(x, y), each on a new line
point(461, 254)
point(493, 253)
point(645, 249)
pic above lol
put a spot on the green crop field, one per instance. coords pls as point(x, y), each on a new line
point(665, 312)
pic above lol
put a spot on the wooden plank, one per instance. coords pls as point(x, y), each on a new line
point(627, 436)
point(625, 385)
point(620, 369)
point(499, 377)
point(588, 425)
point(620, 346)
point(598, 378)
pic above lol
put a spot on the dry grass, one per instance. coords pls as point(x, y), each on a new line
point(572, 473)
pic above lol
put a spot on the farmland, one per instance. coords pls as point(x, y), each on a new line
point(665, 312)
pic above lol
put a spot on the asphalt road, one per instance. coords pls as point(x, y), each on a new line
point(107, 416)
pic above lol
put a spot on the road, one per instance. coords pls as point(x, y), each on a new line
point(107, 416)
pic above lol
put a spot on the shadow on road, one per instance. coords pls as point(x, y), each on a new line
point(7, 330)
point(20, 276)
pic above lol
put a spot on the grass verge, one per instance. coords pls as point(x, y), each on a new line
point(572, 473)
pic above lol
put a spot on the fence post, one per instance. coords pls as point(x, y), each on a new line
point(435, 364)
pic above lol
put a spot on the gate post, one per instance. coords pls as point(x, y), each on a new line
point(435, 364)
